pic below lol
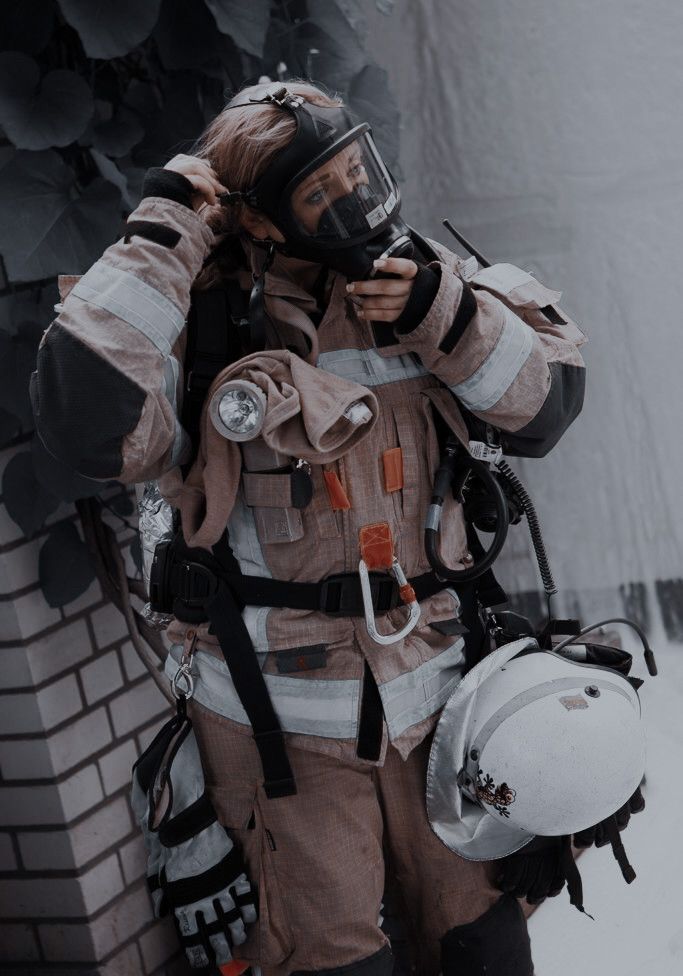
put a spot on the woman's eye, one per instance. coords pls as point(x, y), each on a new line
point(357, 169)
point(316, 197)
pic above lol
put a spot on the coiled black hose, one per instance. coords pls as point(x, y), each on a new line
point(453, 467)
point(520, 491)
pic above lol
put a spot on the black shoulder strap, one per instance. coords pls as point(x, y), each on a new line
point(216, 325)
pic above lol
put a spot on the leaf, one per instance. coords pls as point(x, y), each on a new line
point(324, 47)
point(370, 98)
point(49, 227)
point(186, 35)
point(65, 566)
point(245, 22)
point(116, 137)
point(111, 30)
point(10, 426)
point(27, 502)
point(36, 306)
point(26, 25)
point(17, 362)
point(40, 112)
point(111, 172)
point(175, 127)
point(59, 479)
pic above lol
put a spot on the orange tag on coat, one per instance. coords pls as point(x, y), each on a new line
point(376, 545)
point(339, 500)
point(393, 469)
point(234, 968)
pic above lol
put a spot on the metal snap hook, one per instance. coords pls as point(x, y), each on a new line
point(407, 596)
point(182, 683)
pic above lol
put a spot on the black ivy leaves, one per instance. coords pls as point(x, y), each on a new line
point(26, 25)
point(49, 227)
point(38, 112)
point(246, 23)
point(27, 501)
point(111, 30)
point(65, 566)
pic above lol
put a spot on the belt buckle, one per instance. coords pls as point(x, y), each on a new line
point(191, 574)
point(335, 600)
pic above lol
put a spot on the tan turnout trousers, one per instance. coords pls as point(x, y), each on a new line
point(318, 858)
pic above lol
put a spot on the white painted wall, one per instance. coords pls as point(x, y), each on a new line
point(550, 132)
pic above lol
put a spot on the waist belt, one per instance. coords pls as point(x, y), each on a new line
point(203, 587)
point(338, 596)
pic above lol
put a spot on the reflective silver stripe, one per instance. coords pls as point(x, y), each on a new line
point(133, 301)
point(311, 707)
point(367, 367)
point(182, 445)
point(487, 385)
point(414, 696)
point(244, 540)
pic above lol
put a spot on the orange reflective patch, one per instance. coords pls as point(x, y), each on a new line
point(407, 594)
point(393, 469)
point(234, 968)
point(339, 500)
point(376, 545)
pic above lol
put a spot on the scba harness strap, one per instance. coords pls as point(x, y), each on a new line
point(196, 585)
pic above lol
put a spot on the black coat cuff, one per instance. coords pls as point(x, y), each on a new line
point(425, 286)
point(160, 182)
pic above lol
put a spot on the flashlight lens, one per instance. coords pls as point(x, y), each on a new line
point(239, 411)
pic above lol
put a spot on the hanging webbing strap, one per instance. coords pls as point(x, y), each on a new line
point(215, 338)
point(228, 626)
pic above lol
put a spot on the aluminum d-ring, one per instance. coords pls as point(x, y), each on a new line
point(407, 595)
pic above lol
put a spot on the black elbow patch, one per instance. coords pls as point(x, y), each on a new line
point(151, 231)
point(466, 311)
point(562, 405)
point(83, 406)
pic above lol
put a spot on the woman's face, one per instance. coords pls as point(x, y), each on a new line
point(336, 178)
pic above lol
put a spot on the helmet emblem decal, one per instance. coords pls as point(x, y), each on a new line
point(498, 797)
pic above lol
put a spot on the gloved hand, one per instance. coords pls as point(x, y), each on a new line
point(201, 873)
point(537, 871)
point(599, 834)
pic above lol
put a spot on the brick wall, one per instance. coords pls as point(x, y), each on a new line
point(76, 708)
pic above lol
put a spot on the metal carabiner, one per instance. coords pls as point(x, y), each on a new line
point(182, 683)
point(407, 595)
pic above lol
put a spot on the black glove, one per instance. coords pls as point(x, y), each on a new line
point(537, 871)
point(599, 834)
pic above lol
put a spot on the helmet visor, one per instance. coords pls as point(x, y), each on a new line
point(345, 199)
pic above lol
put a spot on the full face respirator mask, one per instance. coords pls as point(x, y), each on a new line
point(328, 191)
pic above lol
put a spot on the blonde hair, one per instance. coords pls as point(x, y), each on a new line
point(239, 144)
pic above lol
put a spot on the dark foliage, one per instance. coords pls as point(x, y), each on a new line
point(90, 96)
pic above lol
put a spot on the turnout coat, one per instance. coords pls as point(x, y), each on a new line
point(107, 393)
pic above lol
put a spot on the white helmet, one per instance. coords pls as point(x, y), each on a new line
point(532, 743)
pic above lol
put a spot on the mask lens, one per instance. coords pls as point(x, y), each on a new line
point(346, 197)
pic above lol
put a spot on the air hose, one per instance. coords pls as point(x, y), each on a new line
point(452, 474)
point(525, 501)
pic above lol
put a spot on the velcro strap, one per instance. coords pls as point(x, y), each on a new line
point(286, 489)
point(151, 231)
point(186, 891)
point(190, 822)
point(467, 308)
